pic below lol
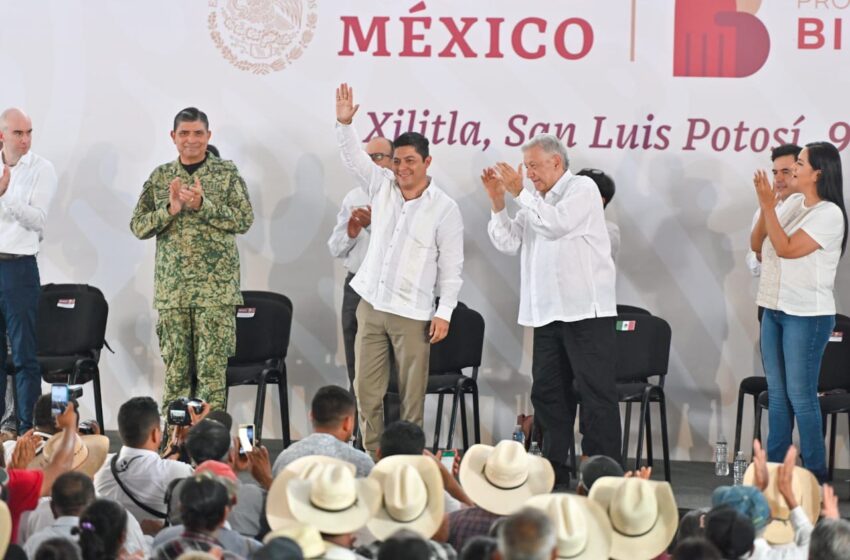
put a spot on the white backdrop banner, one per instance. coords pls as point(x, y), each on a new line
point(679, 100)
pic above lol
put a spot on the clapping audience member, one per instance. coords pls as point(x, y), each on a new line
point(830, 540)
point(732, 533)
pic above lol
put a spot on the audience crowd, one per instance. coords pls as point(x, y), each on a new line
point(188, 492)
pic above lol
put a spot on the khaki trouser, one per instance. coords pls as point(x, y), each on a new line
point(377, 332)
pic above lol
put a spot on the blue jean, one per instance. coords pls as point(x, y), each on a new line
point(791, 350)
point(19, 292)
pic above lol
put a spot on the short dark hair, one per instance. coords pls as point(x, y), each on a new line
point(136, 418)
point(402, 438)
point(785, 150)
point(207, 440)
point(203, 503)
point(331, 405)
point(101, 529)
point(597, 466)
point(57, 547)
point(696, 548)
point(191, 114)
point(42, 412)
point(404, 544)
point(604, 183)
point(731, 532)
point(414, 139)
point(478, 548)
point(72, 492)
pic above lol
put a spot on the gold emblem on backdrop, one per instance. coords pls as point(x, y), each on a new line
point(262, 36)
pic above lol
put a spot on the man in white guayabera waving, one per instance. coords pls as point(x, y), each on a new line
point(416, 247)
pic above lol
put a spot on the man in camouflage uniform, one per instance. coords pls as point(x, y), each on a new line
point(195, 206)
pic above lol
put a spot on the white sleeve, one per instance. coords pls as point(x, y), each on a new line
point(339, 243)
point(449, 262)
point(369, 176)
point(825, 225)
point(32, 213)
point(569, 217)
point(505, 233)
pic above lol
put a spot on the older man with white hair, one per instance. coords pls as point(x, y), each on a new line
point(567, 296)
point(27, 184)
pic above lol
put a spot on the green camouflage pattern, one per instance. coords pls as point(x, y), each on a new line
point(197, 263)
point(206, 335)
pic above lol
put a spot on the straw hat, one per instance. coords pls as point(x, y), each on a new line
point(89, 452)
point(413, 499)
point(332, 500)
point(501, 479)
point(277, 508)
point(643, 515)
point(581, 526)
point(307, 537)
point(806, 490)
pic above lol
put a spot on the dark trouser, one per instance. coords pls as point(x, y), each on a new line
point(19, 292)
point(584, 353)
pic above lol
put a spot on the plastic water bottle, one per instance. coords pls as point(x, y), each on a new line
point(721, 458)
point(518, 435)
point(535, 450)
point(739, 467)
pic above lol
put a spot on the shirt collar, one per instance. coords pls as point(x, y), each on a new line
point(66, 521)
point(136, 452)
point(25, 160)
point(561, 185)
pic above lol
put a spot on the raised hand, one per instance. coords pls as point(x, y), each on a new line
point(345, 107)
point(511, 178)
point(5, 179)
point(175, 204)
point(762, 477)
point(784, 476)
point(25, 450)
point(764, 190)
point(494, 187)
point(830, 503)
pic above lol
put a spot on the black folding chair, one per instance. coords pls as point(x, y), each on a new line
point(71, 334)
point(263, 326)
point(461, 349)
point(833, 385)
point(643, 351)
point(623, 309)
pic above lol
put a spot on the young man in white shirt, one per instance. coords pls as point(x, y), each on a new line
point(415, 253)
point(145, 475)
point(567, 295)
point(27, 184)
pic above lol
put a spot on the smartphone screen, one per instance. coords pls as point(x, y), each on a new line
point(246, 438)
point(448, 459)
point(58, 398)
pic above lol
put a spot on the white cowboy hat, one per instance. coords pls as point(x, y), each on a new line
point(806, 490)
point(307, 537)
point(643, 515)
point(581, 526)
point(501, 479)
point(332, 500)
point(413, 498)
point(89, 452)
point(277, 508)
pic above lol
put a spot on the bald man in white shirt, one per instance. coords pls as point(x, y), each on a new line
point(27, 185)
point(567, 295)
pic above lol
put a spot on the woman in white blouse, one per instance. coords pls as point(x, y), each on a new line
point(800, 247)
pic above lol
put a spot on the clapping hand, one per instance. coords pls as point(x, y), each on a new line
point(511, 178)
point(175, 203)
point(785, 475)
point(764, 190)
point(360, 218)
point(192, 196)
point(762, 477)
point(345, 107)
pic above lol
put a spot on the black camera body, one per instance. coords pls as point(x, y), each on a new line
point(60, 395)
point(178, 410)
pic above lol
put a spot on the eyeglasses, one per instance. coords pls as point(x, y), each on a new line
point(379, 156)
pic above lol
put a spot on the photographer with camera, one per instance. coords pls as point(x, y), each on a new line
point(137, 476)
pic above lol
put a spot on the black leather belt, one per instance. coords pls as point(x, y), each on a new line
point(10, 256)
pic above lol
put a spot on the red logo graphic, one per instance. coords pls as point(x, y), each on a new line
point(719, 39)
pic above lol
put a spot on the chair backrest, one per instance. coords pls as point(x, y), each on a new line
point(71, 320)
point(464, 344)
point(835, 366)
point(263, 327)
point(621, 309)
point(643, 346)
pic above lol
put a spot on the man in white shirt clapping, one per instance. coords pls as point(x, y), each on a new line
point(27, 184)
point(415, 250)
point(567, 295)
